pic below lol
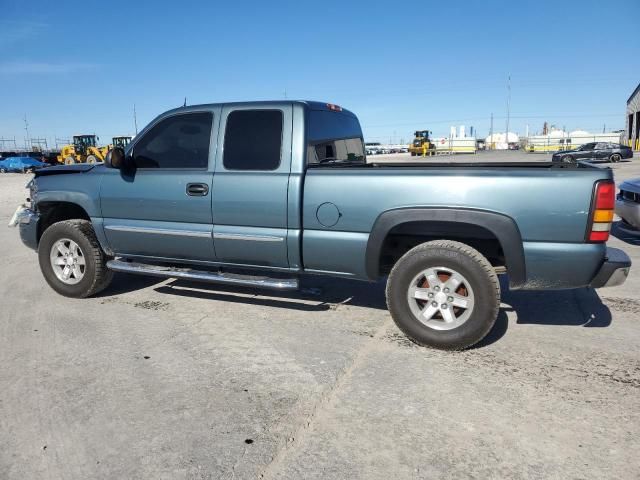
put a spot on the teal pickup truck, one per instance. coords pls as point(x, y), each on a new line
point(258, 193)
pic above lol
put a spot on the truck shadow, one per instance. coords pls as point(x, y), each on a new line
point(315, 294)
point(580, 308)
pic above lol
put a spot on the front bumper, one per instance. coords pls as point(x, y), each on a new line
point(630, 211)
point(614, 270)
point(27, 222)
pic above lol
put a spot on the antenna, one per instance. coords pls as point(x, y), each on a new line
point(185, 102)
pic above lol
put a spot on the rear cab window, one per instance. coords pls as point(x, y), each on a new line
point(334, 138)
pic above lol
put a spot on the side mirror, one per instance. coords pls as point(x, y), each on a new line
point(115, 158)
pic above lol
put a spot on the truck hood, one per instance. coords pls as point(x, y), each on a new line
point(64, 169)
point(632, 185)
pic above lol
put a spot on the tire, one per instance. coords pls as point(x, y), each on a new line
point(95, 276)
point(615, 158)
point(2, 170)
point(480, 288)
point(92, 159)
point(568, 159)
point(70, 160)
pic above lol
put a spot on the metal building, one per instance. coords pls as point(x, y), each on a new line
point(633, 119)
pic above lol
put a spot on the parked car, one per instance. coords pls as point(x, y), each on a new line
point(610, 152)
point(628, 204)
point(193, 198)
point(21, 164)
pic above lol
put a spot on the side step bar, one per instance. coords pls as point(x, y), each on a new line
point(204, 276)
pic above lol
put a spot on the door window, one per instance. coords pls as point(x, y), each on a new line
point(253, 140)
point(179, 141)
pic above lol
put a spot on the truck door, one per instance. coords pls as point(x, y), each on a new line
point(250, 185)
point(162, 207)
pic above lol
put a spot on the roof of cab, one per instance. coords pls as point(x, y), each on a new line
point(310, 104)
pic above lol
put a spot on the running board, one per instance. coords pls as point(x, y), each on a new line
point(204, 276)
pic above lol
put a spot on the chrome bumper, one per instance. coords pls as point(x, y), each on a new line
point(27, 221)
point(614, 270)
point(630, 211)
point(22, 215)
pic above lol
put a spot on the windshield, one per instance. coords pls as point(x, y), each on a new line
point(587, 146)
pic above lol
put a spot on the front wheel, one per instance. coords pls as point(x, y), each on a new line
point(71, 260)
point(444, 294)
point(568, 159)
point(70, 160)
point(615, 158)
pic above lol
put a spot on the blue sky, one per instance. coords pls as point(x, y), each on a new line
point(78, 67)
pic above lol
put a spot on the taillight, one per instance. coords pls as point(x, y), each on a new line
point(604, 199)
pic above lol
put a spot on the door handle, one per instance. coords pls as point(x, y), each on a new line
point(197, 189)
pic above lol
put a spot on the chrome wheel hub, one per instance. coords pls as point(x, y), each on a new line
point(440, 298)
point(67, 261)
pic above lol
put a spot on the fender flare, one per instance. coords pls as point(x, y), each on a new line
point(504, 228)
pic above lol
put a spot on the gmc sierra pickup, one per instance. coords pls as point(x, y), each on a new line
point(257, 193)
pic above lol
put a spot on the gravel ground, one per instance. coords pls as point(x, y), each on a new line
point(166, 379)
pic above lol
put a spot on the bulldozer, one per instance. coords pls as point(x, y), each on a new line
point(83, 150)
point(422, 144)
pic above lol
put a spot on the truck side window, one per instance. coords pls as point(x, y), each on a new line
point(179, 141)
point(253, 140)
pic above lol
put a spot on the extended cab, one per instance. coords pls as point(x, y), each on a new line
point(256, 194)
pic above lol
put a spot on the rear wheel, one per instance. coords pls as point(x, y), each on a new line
point(444, 294)
point(71, 259)
point(92, 159)
point(615, 158)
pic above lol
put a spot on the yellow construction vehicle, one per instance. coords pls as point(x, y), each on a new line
point(121, 142)
point(83, 150)
point(422, 144)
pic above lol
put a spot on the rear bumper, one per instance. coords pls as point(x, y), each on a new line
point(27, 222)
point(614, 270)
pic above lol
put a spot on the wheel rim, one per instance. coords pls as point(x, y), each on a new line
point(67, 261)
point(441, 298)
point(615, 158)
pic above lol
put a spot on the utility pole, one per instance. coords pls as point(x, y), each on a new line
point(26, 129)
point(135, 119)
point(491, 134)
point(508, 107)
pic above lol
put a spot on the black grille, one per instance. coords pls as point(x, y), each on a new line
point(629, 196)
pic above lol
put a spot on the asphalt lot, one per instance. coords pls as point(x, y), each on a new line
point(166, 379)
